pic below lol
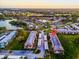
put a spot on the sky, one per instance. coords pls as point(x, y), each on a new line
point(39, 3)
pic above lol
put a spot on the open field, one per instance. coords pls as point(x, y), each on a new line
point(70, 44)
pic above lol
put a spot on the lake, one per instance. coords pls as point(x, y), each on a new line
point(8, 26)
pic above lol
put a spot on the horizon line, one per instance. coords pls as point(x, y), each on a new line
point(33, 8)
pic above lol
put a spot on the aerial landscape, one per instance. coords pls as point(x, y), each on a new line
point(39, 33)
point(39, 29)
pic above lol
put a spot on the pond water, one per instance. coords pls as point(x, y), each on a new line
point(6, 24)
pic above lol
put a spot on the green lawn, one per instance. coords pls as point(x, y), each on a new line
point(71, 48)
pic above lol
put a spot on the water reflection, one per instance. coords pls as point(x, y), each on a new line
point(8, 25)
